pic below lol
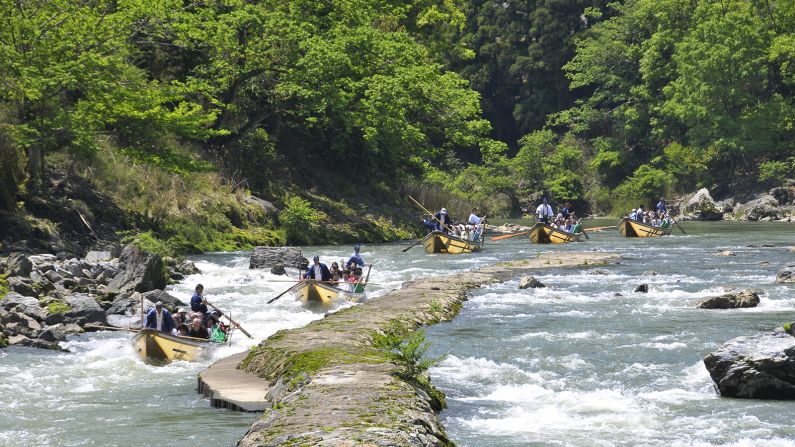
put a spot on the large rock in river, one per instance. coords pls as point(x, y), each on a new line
point(763, 207)
point(755, 367)
point(731, 300)
point(266, 257)
point(143, 271)
point(530, 282)
point(84, 309)
point(787, 273)
point(702, 207)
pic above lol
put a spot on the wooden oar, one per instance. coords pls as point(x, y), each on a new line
point(582, 230)
point(601, 228)
point(412, 245)
point(680, 227)
point(109, 328)
point(283, 293)
point(431, 214)
point(506, 236)
point(229, 317)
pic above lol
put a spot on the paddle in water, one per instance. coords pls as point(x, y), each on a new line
point(245, 332)
point(411, 246)
point(506, 236)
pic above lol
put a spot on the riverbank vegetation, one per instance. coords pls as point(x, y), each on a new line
point(179, 117)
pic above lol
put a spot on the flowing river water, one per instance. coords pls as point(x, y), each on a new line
point(583, 362)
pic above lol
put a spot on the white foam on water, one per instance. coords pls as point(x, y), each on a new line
point(744, 442)
point(664, 346)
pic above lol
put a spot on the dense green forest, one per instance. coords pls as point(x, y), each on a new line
point(174, 112)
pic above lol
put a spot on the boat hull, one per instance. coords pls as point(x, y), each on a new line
point(544, 234)
point(315, 292)
point(631, 228)
point(438, 242)
point(159, 347)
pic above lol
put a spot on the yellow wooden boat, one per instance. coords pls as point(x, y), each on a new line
point(541, 233)
point(631, 228)
point(160, 347)
point(312, 291)
point(439, 242)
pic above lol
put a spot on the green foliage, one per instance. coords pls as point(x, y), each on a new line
point(645, 184)
point(776, 172)
point(3, 286)
point(299, 220)
point(57, 307)
point(406, 348)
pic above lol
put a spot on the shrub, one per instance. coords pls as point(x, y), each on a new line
point(299, 220)
point(407, 349)
point(645, 184)
point(3, 286)
point(57, 307)
point(775, 172)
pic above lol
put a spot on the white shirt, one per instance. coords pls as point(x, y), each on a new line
point(318, 273)
point(159, 316)
point(544, 209)
point(474, 219)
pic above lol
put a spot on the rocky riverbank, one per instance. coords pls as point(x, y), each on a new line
point(777, 204)
point(333, 382)
point(49, 297)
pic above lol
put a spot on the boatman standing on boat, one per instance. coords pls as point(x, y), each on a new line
point(443, 221)
point(474, 219)
point(197, 302)
point(160, 319)
point(661, 206)
point(318, 271)
point(356, 258)
point(544, 211)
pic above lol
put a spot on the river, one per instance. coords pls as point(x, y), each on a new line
point(571, 364)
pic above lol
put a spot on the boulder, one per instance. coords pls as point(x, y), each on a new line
point(731, 300)
point(266, 257)
point(13, 299)
point(143, 271)
point(702, 207)
point(169, 301)
point(266, 207)
point(763, 207)
point(53, 333)
point(643, 288)
point(725, 253)
point(74, 267)
point(787, 273)
point(530, 282)
point(783, 195)
point(278, 269)
point(755, 367)
point(19, 265)
point(22, 286)
point(97, 256)
point(126, 304)
point(53, 276)
point(186, 267)
point(84, 309)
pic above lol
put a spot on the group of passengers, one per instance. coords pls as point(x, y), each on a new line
point(564, 221)
point(349, 278)
point(657, 217)
point(199, 323)
point(471, 230)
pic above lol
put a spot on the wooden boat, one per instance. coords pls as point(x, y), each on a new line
point(317, 292)
point(159, 347)
point(542, 233)
point(439, 242)
point(631, 228)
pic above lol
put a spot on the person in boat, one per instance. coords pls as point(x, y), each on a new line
point(640, 214)
point(474, 219)
point(465, 232)
point(182, 330)
point(197, 329)
point(335, 273)
point(566, 210)
point(429, 224)
point(577, 228)
point(197, 301)
point(544, 211)
point(356, 258)
point(215, 328)
point(443, 221)
point(356, 281)
point(665, 221)
point(318, 271)
point(661, 206)
point(160, 318)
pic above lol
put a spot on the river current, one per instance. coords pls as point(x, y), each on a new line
point(582, 362)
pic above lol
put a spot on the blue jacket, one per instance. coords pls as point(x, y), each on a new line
point(196, 304)
point(661, 206)
point(168, 322)
point(325, 274)
point(447, 221)
point(355, 259)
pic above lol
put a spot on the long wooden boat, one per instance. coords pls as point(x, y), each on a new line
point(160, 347)
point(542, 233)
point(632, 228)
point(439, 242)
point(312, 291)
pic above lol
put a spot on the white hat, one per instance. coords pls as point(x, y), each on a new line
point(443, 211)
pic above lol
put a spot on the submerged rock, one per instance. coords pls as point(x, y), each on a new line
point(278, 269)
point(731, 300)
point(755, 367)
point(266, 257)
point(530, 282)
point(725, 253)
point(787, 273)
point(643, 288)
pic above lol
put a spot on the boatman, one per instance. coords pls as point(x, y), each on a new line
point(197, 302)
point(318, 271)
point(544, 211)
point(160, 319)
point(640, 214)
point(443, 221)
point(474, 219)
point(661, 206)
point(356, 258)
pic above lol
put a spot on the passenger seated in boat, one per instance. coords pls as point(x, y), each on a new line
point(215, 329)
point(160, 319)
point(197, 301)
point(569, 227)
point(197, 330)
point(335, 273)
point(465, 233)
point(318, 270)
point(566, 210)
point(665, 221)
point(428, 224)
point(356, 258)
point(182, 330)
point(356, 281)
